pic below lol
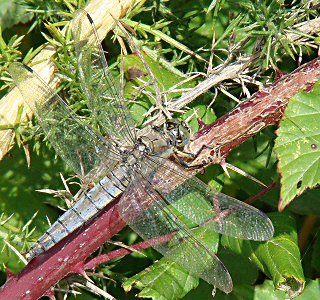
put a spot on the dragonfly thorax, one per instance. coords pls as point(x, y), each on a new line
point(153, 142)
point(161, 141)
point(133, 156)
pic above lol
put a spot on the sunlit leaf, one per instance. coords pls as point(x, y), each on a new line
point(298, 145)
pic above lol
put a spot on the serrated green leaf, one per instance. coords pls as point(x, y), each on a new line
point(298, 145)
point(278, 258)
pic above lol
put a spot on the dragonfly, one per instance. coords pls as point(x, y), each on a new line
point(158, 196)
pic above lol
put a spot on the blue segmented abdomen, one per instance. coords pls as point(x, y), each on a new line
point(91, 203)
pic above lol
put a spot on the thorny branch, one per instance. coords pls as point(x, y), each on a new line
point(266, 107)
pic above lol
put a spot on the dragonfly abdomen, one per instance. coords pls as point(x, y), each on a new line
point(91, 203)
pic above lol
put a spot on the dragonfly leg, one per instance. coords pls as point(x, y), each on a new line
point(182, 156)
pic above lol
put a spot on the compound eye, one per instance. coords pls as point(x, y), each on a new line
point(184, 135)
point(170, 125)
point(185, 126)
point(178, 132)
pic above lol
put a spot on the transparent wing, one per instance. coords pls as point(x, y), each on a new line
point(205, 207)
point(146, 212)
point(86, 151)
point(97, 82)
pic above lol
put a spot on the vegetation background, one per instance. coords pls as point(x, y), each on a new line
point(179, 36)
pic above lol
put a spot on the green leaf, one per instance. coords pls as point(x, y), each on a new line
point(278, 258)
point(166, 280)
point(12, 13)
point(241, 269)
point(311, 291)
point(258, 292)
point(164, 77)
point(298, 145)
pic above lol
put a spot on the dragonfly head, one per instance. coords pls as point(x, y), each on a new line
point(178, 132)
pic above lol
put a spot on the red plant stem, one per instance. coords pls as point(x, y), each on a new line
point(68, 256)
point(253, 198)
point(214, 142)
point(93, 263)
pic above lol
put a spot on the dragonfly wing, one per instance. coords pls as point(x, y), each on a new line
point(205, 207)
point(78, 144)
point(146, 212)
point(97, 81)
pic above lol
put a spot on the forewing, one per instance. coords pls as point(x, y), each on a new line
point(148, 214)
point(79, 145)
point(205, 207)
point(97, 82)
